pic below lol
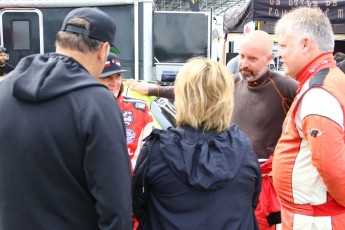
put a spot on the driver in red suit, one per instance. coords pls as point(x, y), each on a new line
point(136, 114)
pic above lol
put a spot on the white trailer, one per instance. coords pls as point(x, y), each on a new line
point(30, 26)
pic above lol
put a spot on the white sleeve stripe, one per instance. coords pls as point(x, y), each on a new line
point(318, 101)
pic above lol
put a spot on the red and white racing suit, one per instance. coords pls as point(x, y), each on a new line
point(309, 159)
point(139, 123)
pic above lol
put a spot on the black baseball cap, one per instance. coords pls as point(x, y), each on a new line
point(102, 27)
point(112, 66)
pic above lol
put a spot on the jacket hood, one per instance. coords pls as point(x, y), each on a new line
point(205, 160)
point(38, 78)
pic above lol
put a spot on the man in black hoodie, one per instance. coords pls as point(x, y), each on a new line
point(63, 157)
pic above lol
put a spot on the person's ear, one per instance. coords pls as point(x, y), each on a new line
point(104, 52)
point(306, 44)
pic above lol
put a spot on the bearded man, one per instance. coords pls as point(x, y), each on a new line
point(262, 99)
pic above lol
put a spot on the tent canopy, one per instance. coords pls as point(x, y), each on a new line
point(271, 11)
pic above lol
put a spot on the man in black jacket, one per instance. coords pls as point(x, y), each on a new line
point(63, 157)
point(5, 68)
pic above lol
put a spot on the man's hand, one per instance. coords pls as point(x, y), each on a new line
point(139, 87)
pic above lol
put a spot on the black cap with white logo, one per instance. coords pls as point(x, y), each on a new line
point(112, 66)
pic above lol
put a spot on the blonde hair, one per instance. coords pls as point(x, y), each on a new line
point(204, 95)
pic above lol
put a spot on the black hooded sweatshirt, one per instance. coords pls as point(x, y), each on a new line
point(63, 157)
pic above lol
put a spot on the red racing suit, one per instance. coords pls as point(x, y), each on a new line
point(139, 123)
point(309, 159)
point(268, 209)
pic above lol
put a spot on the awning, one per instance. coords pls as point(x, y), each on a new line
point(272, 10)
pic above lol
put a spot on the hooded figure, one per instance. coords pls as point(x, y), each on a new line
point(203, 174)
point(63, 156)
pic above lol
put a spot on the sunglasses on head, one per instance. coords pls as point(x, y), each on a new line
point(2, 49)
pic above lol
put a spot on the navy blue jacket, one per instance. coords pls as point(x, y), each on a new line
point(196, 180)
point(63, 156)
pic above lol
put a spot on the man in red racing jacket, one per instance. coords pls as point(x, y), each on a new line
point(309, 159)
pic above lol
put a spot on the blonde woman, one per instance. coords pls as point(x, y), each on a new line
point(203, 174)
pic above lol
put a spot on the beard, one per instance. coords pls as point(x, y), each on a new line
point(249, 75)
point(2, 62)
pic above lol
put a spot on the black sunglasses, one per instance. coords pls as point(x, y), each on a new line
point(2, 49)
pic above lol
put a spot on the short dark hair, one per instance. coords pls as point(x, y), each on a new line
point(339, 56)
point(79, 42)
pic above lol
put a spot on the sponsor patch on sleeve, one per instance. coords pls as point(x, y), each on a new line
point(314, 132)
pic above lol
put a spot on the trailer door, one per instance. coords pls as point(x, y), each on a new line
point(21, 33)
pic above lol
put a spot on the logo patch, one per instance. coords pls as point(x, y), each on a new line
point(314, 132)
point(116, 62)
point(107, 64)
point(139, 105)
point(130, 136)
point(127, 117)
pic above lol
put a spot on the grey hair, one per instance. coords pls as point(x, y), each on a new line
point(308, 22)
